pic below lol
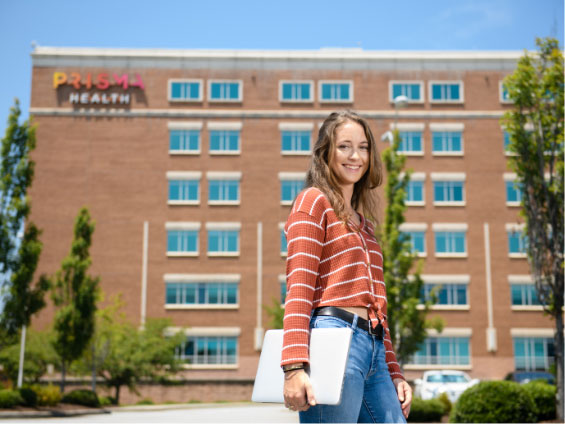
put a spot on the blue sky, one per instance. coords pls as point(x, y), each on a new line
point(252, 24)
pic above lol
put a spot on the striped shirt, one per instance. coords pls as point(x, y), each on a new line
point(328, 265)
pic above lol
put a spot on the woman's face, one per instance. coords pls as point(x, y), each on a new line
point(350, 160)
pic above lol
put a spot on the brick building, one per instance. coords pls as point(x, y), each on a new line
point(188, 161)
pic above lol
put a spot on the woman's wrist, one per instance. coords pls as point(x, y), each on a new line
point(293, 367)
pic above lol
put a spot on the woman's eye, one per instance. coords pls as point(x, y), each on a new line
point(364, 147)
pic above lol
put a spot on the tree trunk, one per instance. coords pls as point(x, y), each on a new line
point(117, 394)
point(63, 372)
point(93, 368)
point(22, 352)
point(559, 363)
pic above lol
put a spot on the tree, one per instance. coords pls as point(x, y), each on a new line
point(275, 312)
point(403, 290)
point(18, 265)
point(75, 293)
point(126, 355)
point(535, 126)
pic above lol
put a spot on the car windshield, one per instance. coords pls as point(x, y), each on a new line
point(447, 378)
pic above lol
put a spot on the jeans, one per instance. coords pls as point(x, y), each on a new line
point(368, 394)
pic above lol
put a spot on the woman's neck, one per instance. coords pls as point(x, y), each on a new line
point(347, 192)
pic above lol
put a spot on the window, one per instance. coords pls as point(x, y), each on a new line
point(184, 138)
point(448, 294)
point(447, 139)
point(335, 91)
point(446, 91)
point(443, 351)
point(225, 138)
point(208, 350)
point(296, 138)
point(503, 92)
point(223, 188)
point(416, 234)
point(283, 245)
point(296, 91)
point(184, 188)
point(533, 353)
point(411, 141)
point(207, 293)
point(189, 90)
point(182, 238)
point(223, 239)
point(449, 188)
point(514, 190)
point(517, 241)
point(291, 184)
point(282, 284)
point(524, 295)
point(225, 90)
point(414, 90)
point(414, 192)
point(450, 240)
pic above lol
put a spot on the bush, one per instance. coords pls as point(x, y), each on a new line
point(494, 402)
point(105, 401)
point(447, 405)
point(423, 411)
point(543, 395)
point(29, 397)
point(82, 397)
point(10, 398)
point(47, 395)
point(145, 401)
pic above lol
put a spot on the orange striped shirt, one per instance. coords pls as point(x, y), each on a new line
point(327, 265)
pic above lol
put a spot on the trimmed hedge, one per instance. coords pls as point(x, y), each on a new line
point(422, 411)
point(10, 398)
point(29, 397)
point(82, 397)
point(494, 402)
point(543, 395)
point(47, 395)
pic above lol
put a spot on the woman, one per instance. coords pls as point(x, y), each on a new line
point(335, 279)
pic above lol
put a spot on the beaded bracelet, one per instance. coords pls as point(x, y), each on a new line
point(288, 368)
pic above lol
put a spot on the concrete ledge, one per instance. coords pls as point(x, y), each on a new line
point(52, 413)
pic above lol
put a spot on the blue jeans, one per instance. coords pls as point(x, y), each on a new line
point(368, 394)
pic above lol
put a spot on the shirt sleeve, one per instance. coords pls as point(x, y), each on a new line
point(305, 234)
point(390, 356)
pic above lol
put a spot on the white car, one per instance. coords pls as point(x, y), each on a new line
point(434, 383)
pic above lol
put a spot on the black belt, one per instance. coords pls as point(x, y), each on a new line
point(362, 323)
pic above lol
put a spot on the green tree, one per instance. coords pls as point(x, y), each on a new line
point(126, 355)
point(18, 264)
point(408, 323)
point(75, 293)
point(535, 126)
point(275, 312)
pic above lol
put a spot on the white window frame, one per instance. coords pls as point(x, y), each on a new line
point(238, 100)
point(224, 126)
point(518, 228)
point(185, 175)
point(448, 279)
point(185, 80)
point(527, 280)
point(447, 127)
point(447, 332)
point(186, 126)
point(451, 82)
point(180, 226)
point(310, 82)
point(451, 227)
point(297, 126)
point(510, 177)
point(419, 82)
point(202, 278)
point(416, 176)
point(290, 176)
point(501, 92)
point(410, 127)
point(224, 226)
point(416, 226)
point(224, 176)
point(448, 177)
point(349, 82)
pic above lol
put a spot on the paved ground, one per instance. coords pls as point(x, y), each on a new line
point(202, 413)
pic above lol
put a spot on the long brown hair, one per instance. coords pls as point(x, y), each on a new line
point(321, 176)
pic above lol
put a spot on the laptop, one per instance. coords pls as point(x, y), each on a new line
point(329, 348)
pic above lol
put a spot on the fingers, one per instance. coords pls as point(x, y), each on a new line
point(311, 400)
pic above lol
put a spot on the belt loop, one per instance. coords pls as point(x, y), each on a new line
point(354, 323)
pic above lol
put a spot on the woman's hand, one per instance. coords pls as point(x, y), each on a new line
point(404, 395)
point(298, 393)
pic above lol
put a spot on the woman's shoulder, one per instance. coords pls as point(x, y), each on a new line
point(312, 201)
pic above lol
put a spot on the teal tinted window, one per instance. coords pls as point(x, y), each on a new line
point(533, 353)
point(224, 141)
point(184, 140)
point(283, 292)
point(225, 91)
point(290, 189)
point(185, 90)
point(283, 242)
point(296, 141)
point(517, 242)
point(448, 191)
point(446, 92)
point(450, 242)
point(443, 351)
point(446, 141)
point(182, 241)
point(505, 96)
point(411, 141)
point(183, 190)
point(335, 92)
point(296, 91)
point(415, 191)
point(226, 241)
point(208, 350)
point(524, 294)
point(417, 240)
point(447, 294)
point(202, 293)
point(412, 91)
point(514, 191)
point(223, 190)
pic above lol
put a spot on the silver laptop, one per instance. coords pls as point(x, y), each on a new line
point(329, 348)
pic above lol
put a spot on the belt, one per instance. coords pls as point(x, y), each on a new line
point(362, 323)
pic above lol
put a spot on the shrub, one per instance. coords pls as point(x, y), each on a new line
point(10, 398)
point(82, 397)
point(105, 401)
point(423, 411)
point(543, 395)
point(494, 402)
point(29, 397)
point(47, 395)
point(447, 405)
point(145, 401)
